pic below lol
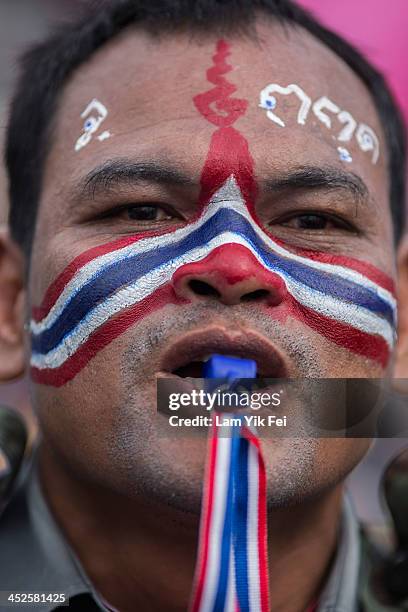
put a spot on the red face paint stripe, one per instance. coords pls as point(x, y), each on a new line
point(228, 109)
point(228, 155)
point(228, 152)
point(103, 336)
point(356, 341)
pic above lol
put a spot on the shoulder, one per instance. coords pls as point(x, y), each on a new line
point(383, 576)
point(20, 551)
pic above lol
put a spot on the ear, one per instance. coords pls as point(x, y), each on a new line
point(401, 365)
point(12, 301)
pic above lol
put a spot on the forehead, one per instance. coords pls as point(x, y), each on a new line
point(148, 85)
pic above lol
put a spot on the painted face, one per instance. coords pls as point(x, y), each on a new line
point(108, 289)
point(214, 264)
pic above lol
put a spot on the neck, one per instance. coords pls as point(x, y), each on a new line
point(141, 556)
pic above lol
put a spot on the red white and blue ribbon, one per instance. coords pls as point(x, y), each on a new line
point(231, 571)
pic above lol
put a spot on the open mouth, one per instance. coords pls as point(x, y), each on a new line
point(186, 357)
point(193, 369)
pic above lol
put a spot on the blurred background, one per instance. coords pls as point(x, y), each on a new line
point(377, 27)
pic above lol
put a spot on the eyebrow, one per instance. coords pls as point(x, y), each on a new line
point(118, 172)
point(313, 177)
point(113, 174)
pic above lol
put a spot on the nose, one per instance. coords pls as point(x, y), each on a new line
point(231, 275)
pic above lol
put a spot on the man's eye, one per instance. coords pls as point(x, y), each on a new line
point(140, 216)
point(147, 212)
point(314, 221)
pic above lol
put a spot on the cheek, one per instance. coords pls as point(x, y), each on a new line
point(94, 301)
point(77, 419)
point(339, 456)
point(331, 360)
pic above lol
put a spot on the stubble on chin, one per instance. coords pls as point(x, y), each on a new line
point(170, 470)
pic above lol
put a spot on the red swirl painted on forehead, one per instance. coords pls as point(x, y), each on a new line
point(216, 105)
point(228, 152)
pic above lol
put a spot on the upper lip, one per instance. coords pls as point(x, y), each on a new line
point(248, 344)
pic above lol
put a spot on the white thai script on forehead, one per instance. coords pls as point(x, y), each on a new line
point(322, 108)
point(268, 101)
point(368, 141)
point(348, 130)
point(94, 115)
point(344, 154)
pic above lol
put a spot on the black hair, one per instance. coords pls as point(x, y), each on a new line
point(47, 66)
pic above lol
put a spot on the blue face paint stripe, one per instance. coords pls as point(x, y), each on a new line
point(132, 268)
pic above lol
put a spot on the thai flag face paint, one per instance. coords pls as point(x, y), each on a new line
point(111, 287)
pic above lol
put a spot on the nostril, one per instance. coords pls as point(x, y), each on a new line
point(203, 288)
point(253, 296)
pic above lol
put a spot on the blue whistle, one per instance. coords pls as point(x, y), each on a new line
point(222, 366)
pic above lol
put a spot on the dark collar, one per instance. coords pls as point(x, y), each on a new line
point(35, 557)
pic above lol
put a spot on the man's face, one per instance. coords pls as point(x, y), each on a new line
point(160, 157)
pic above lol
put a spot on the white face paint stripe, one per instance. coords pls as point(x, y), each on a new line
point(230, 201)
point(347, 313)
point(130, 295)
